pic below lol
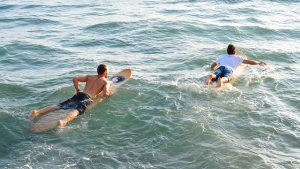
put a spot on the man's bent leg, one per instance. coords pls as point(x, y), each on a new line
point(35, 113)
point(71, 116)
point(209, 79)
point(221, 81)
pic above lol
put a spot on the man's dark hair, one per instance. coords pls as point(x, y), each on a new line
point(231, 49)
point(101, 69)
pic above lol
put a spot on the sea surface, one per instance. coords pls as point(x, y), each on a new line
point(164, 117)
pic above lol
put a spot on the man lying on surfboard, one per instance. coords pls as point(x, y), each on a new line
point(226, 64)
point(95, 86)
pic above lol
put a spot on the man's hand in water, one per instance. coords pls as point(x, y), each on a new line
point(262, 64)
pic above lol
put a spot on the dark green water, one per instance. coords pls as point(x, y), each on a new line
point(163, 117)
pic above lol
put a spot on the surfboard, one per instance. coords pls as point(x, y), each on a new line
point(49, 120)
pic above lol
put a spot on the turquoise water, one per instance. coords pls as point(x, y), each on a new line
point(163, 117)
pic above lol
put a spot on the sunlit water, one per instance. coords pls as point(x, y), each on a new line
point(164, 117)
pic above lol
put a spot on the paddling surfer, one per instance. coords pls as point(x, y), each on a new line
point(226, 64)
point(95, 86)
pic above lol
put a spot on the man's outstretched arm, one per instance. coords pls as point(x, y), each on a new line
point(254, 62)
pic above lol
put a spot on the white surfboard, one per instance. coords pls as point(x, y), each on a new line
point(49, 120)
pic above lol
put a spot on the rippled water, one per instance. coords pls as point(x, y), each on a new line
point(163, 117)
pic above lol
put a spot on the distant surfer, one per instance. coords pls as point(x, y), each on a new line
point(95, 86)
point(226, 64)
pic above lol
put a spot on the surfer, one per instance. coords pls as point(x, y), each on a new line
point(226, 64)
point(95, 86)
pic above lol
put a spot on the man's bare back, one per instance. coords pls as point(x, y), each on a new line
point(96, 86)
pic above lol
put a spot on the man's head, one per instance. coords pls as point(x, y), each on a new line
point(231, 49)
point(102, 69)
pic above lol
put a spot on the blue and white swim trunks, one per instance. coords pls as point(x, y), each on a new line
point(223, 71)
point(79, 101)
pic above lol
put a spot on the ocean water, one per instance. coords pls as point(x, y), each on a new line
point(164, 117)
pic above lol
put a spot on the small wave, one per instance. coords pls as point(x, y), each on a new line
point(114, 28)
point(28, 21)
point(5, 7)
point(98, 42)
point(180, 1)
point(173, 11)
point(13, 91)
point(11, 129)
point(269, 55)
point(61, 6)
point(266, 33)
point(3, 51)
point(192, 87)
point(32, 54)
point(19, 46)
point(168, 29)
point(32, 6)
point(104, 26)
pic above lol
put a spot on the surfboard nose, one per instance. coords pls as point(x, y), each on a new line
point(126, 73)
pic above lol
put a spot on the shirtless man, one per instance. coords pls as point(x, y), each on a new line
point(95, 86)
point(226, 65)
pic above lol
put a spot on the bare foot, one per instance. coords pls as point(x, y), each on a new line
point(34, 113)
point(207, 82)
point(61, 123)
